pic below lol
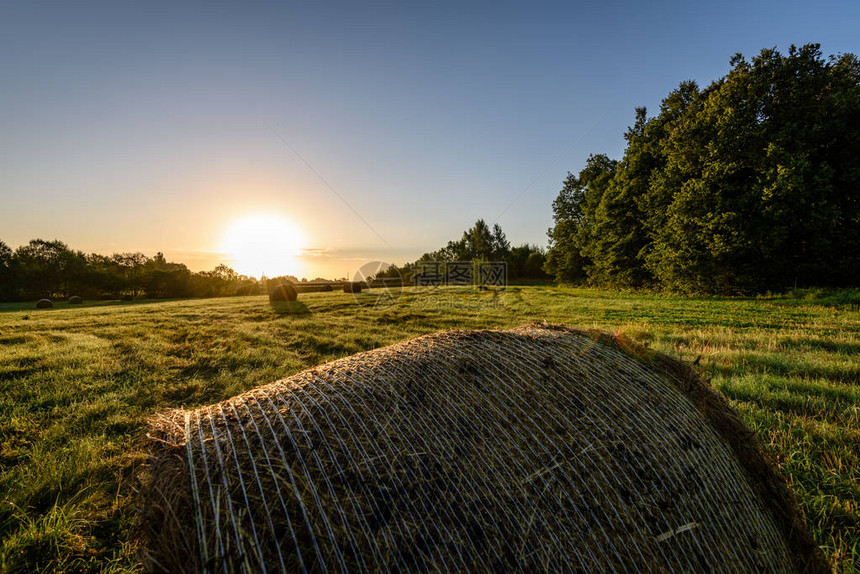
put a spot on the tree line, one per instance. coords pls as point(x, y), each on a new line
point(482, 243)
point(50, 269)
point(750, 184)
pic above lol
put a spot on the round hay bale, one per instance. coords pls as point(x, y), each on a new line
point(126, 297)
point(352, 287)
point(283, 292)
point(44, 304)
point(75, 300)
point(537, 449)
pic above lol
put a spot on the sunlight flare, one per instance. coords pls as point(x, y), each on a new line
point(263, 244)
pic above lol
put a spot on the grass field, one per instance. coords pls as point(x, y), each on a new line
point(77, 384)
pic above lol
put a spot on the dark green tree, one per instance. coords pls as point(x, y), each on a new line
point(163, 279)
point(527, 262)
point(47, 268)
point(574, 215)
point(132, 267)
point(619, 239)
point(477, 243)
point(8, 273)
point(104, 276)
point(481, 243)
point(749, 184)
point(762, 188)
point(500, 246)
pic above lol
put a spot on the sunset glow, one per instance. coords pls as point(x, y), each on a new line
point(263, 244)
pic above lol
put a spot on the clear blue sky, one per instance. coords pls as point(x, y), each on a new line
point(148, 126)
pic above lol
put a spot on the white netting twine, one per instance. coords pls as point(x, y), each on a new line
point(536, 449)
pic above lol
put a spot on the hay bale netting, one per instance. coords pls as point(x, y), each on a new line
point(352, 287)
point(283, 293)
point(536, 449)
point(44, 304)
point(75, 300)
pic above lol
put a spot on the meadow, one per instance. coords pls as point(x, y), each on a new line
point(79, 383)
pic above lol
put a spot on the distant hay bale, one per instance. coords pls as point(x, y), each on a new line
point(75, 300)
point(283, 292)
point(126, 297)
point(312, 287)
point(536, 449)
point(44, 304)
point(352, 287)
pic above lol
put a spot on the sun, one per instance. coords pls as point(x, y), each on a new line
point(263, 244)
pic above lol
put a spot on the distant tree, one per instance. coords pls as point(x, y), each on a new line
point(534, 265)
point(104, 275)
point(77, 279)
point(224, 273)
point(8, 273)
point(221, 281)
point(163, 279)
point(478, 242)
point(272, 281)
point(526, 262)
point(46, 268)
point(390, 272)
point(132, 267)
point(50, 269)
point(481, 243)
point(405, 272)
point(500, 246)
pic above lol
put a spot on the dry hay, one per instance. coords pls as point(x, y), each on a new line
point(44, 304)
point(75, 300)
point(352, 287)
point(166, 527)
point(283, 293)
point(536, 449)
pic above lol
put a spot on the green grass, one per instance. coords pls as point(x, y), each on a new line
point(77, 384)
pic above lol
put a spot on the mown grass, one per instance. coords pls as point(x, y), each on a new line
point(77, 384)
